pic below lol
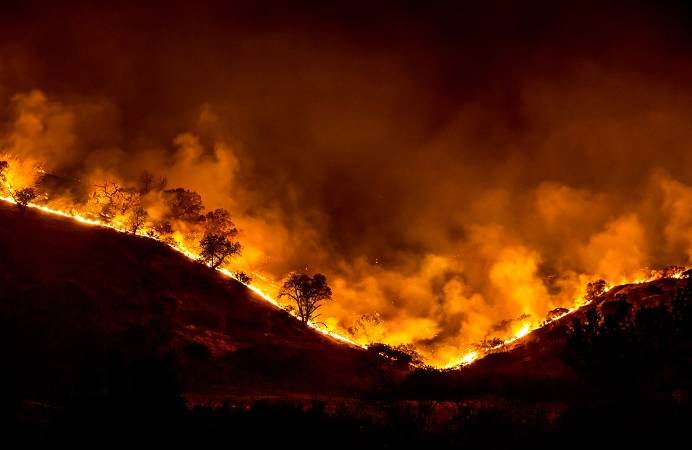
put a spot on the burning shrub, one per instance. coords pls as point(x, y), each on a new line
point(595, 289)
point(162, 230)
point(402, 354)
point(671, 271)
point(489, 344)
point(107, 199)
point(242, 277)
point(23, 197)
point(556, 313)
point(136, 219)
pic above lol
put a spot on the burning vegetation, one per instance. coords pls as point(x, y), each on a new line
point(464, 198)
point(208, 238)
point(175, 216)
point(453, 197)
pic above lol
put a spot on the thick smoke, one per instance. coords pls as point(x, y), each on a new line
point(454, 175)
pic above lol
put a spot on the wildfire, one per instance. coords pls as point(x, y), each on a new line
point(465, 360)
point(527, 328)
point(182, 249)
point(468, 358)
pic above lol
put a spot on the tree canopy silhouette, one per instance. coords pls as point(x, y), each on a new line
point(216, 249)
point(595, 289)
point(308, 293)
point(217, 243)
point(23, 197)
point(184, 204)
point(136, 219)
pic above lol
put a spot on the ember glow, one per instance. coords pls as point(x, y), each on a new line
point(458, 189)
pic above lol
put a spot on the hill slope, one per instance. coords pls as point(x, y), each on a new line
point(75, 299)
point(539, 353)
point(631, 319)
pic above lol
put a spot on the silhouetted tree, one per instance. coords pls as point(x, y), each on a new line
point(148, 182)
point(216, 249)
point(184, 204)
point(128, 200)
point(402, 354)
point(242, 277)
point(624, 354)
point(308, 293)
point(23, 197)
point(556, 313)
point(219, 222)
point(595, 289)
point(217, 243)
point(489, 344)
point(162, 230)
point(109, 198)
point(136, 219)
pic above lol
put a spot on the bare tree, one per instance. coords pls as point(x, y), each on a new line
point(107, 196)
point(216, 249)
point(148, 182)
point(128, 200)
point(23, 197)
point(136, 219)
point(308, 293)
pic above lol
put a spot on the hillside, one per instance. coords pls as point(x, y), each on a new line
point(536, 368)
point(77, 299)
point(104, 331)
point(539, 353)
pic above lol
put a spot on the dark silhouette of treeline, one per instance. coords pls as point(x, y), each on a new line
point(90, 352)
point(630, 385)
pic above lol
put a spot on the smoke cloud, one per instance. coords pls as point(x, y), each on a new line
point(454, 172)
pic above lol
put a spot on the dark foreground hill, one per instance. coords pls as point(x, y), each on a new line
point(540, 365)
point(106, 337)
point(79, 302)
